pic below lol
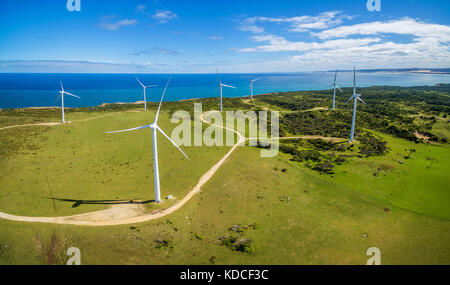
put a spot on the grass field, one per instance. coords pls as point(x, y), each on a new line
point(78, 161)
point(322, 223)
point(420, 183)
point(292, 214)
point(442, 128)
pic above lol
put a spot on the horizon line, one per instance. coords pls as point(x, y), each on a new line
point(446, 69)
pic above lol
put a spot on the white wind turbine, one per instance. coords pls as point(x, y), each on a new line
point(251, 87)
point(61, 95)
point(220, 86)
point(334, 90)
point(356, 97)
point(154, 127)
point(144, 87)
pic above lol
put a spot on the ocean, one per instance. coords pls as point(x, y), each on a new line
point(19, 90)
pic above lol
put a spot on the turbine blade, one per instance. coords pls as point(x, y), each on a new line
point(256, 79)
point(339, 89)
point(71, 94)
point(58, 97)
point(127, 130)
point(228, 86)
point(151, 86)
point(162, 97)
point(361, 100)
point(335, 75)
point(354, 80)
point(159, 129)
point(349, 99)
point(139, 81)
point(60, 82)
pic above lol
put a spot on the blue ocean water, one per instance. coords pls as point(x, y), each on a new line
point(38, 89)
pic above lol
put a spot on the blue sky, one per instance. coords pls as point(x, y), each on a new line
point(155, 36)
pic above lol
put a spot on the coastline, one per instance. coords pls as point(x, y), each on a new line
point(101, 105)
point(193, 99)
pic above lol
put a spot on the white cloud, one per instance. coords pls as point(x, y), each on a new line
point(405, 26)
point(373, 44)
point(215, 37)
point(248, 25)
point(163, 16)
point(114, 26)
point(277, 44)
point(252, 28)
point(141, 8)
point(296, 24)
point(155, 50)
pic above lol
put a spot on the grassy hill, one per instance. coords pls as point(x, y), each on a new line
point(317, 202)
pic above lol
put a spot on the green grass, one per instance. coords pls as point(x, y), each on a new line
point(442, 129)
point(79, 161)
point(419, 183)
point(10, 117)
point(322, 223)
point(303, 217)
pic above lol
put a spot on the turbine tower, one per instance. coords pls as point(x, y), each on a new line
point(220, 87)
point(356, 97)
point(61, 95)
point(334, 90)
point(144, 87)
point(251, 87)
point(154, 128)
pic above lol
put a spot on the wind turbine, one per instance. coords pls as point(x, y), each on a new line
point(144, 87)
point(61, 95)
point(220, 86)
point(154, 127)
point(334, 90)
point(356, 97)
point(251, 87)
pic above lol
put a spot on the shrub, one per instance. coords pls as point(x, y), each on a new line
point(372, 146)
point(239, 244)
point(324, 168)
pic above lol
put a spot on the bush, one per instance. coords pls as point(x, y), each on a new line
point(239, 244)
point(162, 243)
point(372, 146)
point(307, 155)
point(324, 167)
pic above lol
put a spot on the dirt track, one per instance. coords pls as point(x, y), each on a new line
point(29, 125)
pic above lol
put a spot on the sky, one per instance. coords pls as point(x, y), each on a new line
point(233, 36)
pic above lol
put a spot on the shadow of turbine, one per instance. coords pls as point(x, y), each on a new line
point(78, 203)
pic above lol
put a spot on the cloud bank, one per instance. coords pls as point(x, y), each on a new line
point(328, 43)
